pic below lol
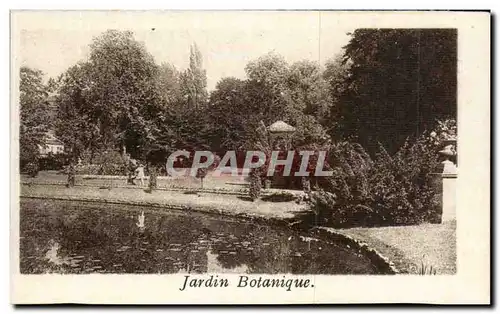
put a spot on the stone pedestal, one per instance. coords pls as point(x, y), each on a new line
point(449, 178)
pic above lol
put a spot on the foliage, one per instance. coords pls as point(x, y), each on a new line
point(228, 112)
point(336, 75)
point(107, 162)
point(170, 84)
point(425, 269)
point(388, 86)
point(279, 197)
point(76, 124)
point(111, 100)
point(399, 81)
point(54, 161)
point(34, 122)
point(389, 189)
point(193, 81)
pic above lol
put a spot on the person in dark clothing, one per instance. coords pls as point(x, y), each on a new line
point(132, 166)
point(71, 175)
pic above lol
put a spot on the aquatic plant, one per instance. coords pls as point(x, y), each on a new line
point(427, 269)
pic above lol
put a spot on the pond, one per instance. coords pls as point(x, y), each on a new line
point(82, 238)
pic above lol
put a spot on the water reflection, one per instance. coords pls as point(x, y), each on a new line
point(69, 237)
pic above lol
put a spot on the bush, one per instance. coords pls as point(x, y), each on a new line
point(103, 163)
point(255, 184)
point(401, 185)
point(279, 197)
point(386, 190)
point(54, 161)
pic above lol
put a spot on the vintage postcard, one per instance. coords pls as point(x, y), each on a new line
point(250, 157)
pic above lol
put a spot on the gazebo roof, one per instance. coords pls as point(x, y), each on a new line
point(280, 126)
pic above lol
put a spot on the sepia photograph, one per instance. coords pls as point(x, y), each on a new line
point(271, 146)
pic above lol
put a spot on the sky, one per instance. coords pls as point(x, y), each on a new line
point(54, 41)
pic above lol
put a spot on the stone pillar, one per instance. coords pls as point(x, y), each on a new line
point(449, 179)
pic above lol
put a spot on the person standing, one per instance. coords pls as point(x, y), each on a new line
point(140, 173)
point(131, 171)
point(71, 175)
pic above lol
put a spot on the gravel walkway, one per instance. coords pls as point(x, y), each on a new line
point(208, 202)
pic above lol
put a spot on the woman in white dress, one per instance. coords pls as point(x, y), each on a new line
point(140, 173)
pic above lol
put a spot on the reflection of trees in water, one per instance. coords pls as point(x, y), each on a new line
point(267, 250)
point(170, 242)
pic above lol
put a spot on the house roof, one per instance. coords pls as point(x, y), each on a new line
point(280, 126)
point(51, 139)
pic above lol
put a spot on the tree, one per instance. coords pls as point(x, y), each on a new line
point(266, 87)
point(33, 109)
point(113, 100)
point(399, 82)
point(336, 76)
point(194, 80)
point(123, 91)
point(308, 90)
point(308, 101)
point(228, 113)
point(77, 122)
point(169, 82)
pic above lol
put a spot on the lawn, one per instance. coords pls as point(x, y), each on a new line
point(410, 246)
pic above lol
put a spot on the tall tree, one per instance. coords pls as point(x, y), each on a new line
point(113, 100)
point(228, 114)
point(194, 80)
point(123, 90)
point(336, 76)
point(308, 102)
point(33, 107)
point(267, 84)
point(77, 121)
point(169, 82)
point(399, 82)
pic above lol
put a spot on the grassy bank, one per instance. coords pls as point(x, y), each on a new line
point(412, 248)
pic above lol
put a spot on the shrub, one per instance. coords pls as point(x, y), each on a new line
point(279, 197)
point(326, 211)
point(306, 185)
point(31, 168)
point(255, 184)
point(103, 163)
point(111, 162)
point(401, 186)
point(425, 269)
point(385, 190)
point(54, 161)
